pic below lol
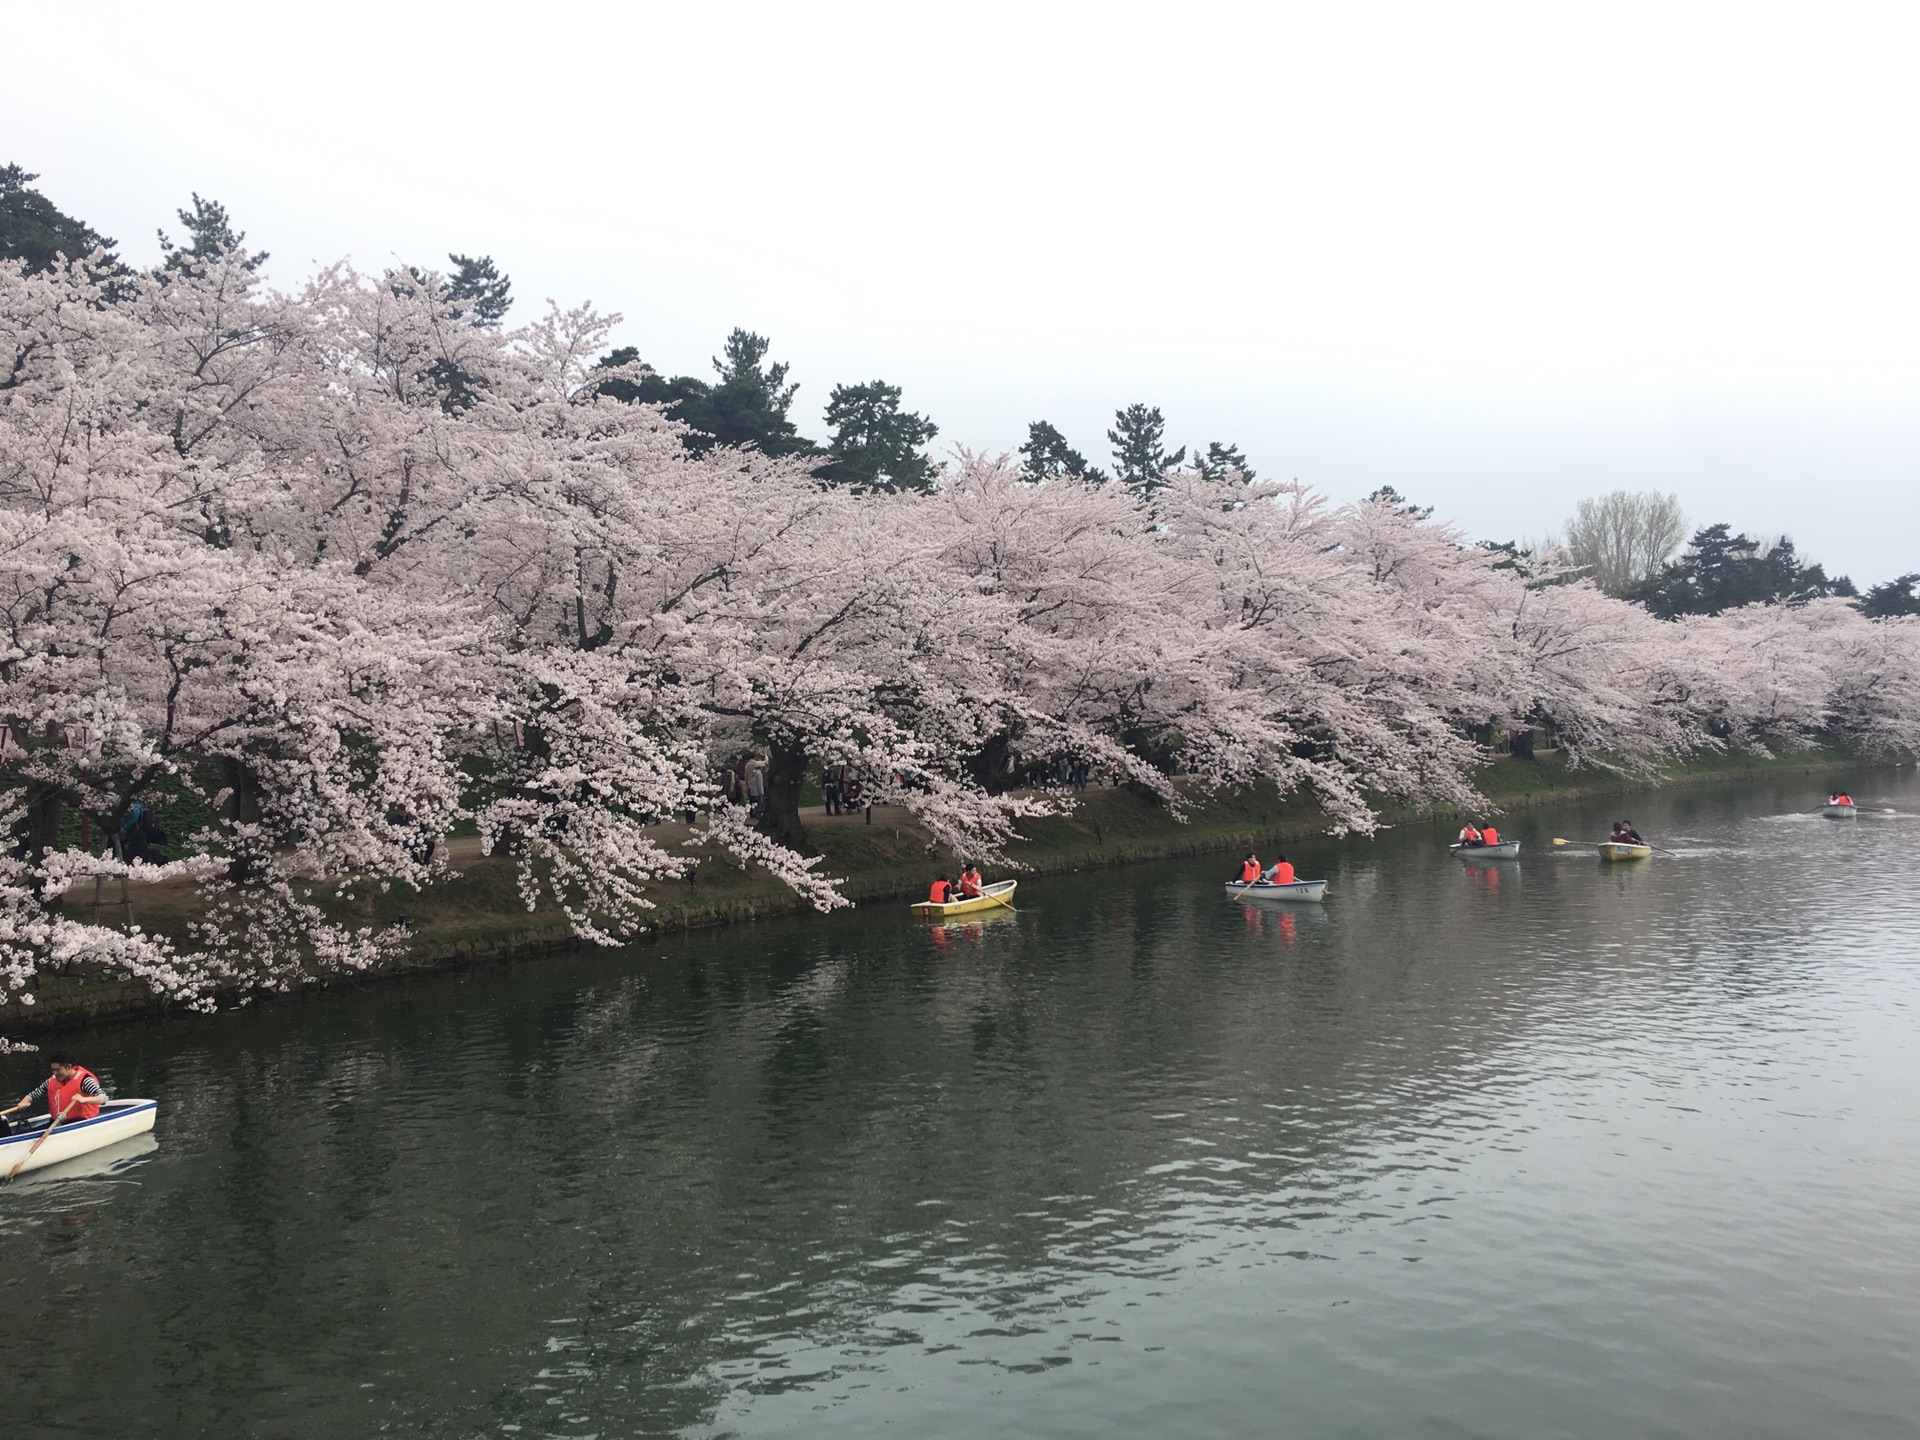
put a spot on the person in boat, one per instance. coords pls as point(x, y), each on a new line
point(1280, 874)
point(1249, 869)
point(970, 882)
point(1842, 798)
point(1625, 834)
point(1489, 835)
point(1470, 835)
point(71, 1091)
point(941, 891)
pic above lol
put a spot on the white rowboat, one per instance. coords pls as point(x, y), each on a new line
point(118, 1120)
point(1840, 812)
point(1300, 890)
point(1505, 850)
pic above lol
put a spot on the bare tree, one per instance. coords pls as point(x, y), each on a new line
point(1623, 538)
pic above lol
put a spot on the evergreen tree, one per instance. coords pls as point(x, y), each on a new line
point(32, 229)
point(1895, 597)
point(748, 405)
point(876, 444)
point(1387, 495)
point(210, 234)
point(479, 285)
point(1220, 459)
point(1724, 571)
point(1049, 457)
point(1138, 458)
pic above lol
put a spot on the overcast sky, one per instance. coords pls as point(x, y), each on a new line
point(1498, 256)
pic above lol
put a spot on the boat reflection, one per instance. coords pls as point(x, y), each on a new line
point(970, 931)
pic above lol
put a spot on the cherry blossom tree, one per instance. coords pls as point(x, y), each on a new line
point(351, 566)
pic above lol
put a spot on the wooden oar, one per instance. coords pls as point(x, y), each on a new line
point(52, 1125)
point(1601, 844)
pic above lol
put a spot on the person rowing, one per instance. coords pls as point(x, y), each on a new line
point(1470, 836)
point(1250, 870)
point(970, 882)
point(1842, 798)
point(1625, 834)
point(72, 1092)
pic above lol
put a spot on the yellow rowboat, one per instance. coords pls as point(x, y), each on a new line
point(1613, 851)
point(991, 897)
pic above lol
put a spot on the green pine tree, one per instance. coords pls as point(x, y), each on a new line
point(1049, 457)
point(1139, 458)
point(33, 229)
point(877, 445)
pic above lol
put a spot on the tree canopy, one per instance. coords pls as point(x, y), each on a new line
point(1140, 457)
point(877, 445)
point(1900, 596)
point(1050, 457)
point(1622, 539)
point(1220, 461)
point(747, 404)
point(1722, 571)
point(210, 236)
point(33, 229)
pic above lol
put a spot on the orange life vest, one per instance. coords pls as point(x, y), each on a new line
point(1283, 873)
point(1249, 872)
point(1469, 835)
point(970, 884)
point(1843, 799)
point(938, 893)
point(1489, 836)
point(59, 1092)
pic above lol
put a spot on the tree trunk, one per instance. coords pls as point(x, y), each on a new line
point(780, 811)
point(38, 829)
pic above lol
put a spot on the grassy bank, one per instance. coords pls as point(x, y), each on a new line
point(477, 916)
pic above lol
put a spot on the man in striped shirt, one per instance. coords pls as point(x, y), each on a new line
point(71, 1091)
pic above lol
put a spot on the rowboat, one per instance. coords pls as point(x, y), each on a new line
point(1614, 850)
point(991, 897)
point(1505, 850)
point(1840, 812)
point(1300, 890)
point(118, 1120)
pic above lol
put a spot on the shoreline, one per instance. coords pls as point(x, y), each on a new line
point(475, 918)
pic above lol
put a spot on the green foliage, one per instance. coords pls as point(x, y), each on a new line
point(1220, 460)
point(877, 445)
point(748, 405)
point(210, 234)
point(1895, 597)
point(32, 229)
point(1724, 571)
point(479, 285)
point(1139, 457)
point(1387, 495)
point(1049, 457)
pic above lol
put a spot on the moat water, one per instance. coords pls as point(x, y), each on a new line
point(1526, 1149)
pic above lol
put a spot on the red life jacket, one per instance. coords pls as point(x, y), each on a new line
point(938, 893)
point(1843, 799)
point(1283, 873)
point(59, 1092)
point(1489, 836)
point(1469, 835)
point(1249, 872)
point(969, 885)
